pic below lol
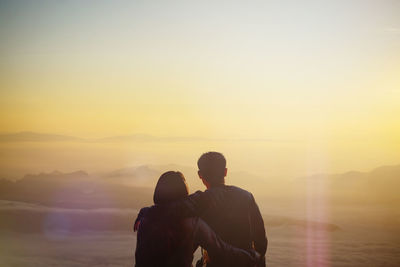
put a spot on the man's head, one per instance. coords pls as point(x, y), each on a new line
point(212, 168)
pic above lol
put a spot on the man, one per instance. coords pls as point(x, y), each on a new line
point(230, 211)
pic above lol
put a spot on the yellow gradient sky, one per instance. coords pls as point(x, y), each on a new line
point(325, 73)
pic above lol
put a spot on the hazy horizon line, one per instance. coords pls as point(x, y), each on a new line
point(32, 136)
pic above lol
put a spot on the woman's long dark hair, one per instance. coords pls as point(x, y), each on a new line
point(162, 229)
point(171, 186)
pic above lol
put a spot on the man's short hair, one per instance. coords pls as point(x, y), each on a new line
point(212, 167)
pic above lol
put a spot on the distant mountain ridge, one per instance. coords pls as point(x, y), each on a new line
point(127, 186)
point(38, 137)
point(379, 185)
point(56, 174)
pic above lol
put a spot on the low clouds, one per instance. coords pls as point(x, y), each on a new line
point(103, 249)
point(286, 248)
point(55, 222)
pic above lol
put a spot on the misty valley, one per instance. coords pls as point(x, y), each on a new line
point(79, 219)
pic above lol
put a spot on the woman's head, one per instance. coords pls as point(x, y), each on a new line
point(170, 186)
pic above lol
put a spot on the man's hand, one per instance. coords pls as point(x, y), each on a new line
point(136, 225)
point(140, 216)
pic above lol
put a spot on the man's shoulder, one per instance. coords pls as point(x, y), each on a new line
point(240, 191)
point(231, 190)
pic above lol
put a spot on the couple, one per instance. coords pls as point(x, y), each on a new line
point(224, 220)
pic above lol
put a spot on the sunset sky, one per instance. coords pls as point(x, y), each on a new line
point(303, 76)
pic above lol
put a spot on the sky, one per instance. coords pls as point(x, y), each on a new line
point(317, 79)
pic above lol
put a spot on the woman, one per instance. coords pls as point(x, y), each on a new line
point(166, 239)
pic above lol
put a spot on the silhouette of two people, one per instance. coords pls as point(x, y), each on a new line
point(224, 220)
